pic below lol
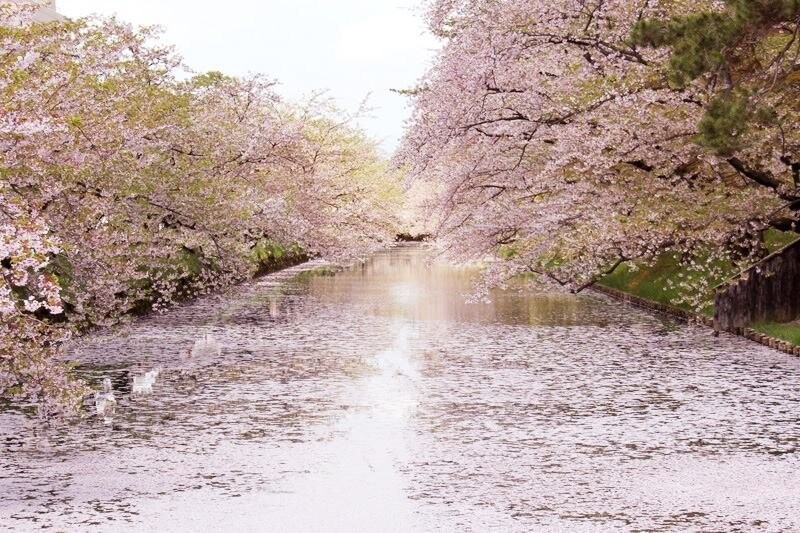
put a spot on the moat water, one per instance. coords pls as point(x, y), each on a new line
point(378, 399)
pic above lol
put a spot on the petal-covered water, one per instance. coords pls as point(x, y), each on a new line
point(379, 400)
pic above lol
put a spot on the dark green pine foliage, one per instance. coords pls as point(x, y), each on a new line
point(720, 44)
point(726, 119)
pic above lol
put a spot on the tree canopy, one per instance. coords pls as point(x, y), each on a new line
point(126, 180)
point(567, 137)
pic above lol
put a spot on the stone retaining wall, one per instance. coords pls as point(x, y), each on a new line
point(670, 310)
point(687, 316)
point(768, 292)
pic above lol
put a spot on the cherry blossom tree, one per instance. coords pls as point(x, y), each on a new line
point(744, 55)
point(561, 145)
point(129, 183)
point(29, 292)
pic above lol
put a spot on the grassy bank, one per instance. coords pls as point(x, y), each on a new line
point(271, 256)
point(658, 282)
point(787, 332)
point(185, 274)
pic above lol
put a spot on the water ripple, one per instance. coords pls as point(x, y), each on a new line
point(379, 399)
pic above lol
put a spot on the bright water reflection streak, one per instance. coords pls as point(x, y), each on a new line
point(378, 400)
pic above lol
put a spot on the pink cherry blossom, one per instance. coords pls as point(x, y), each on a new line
point(117, 163)
point(556, 147)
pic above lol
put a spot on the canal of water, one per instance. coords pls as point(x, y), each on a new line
point(378, 399)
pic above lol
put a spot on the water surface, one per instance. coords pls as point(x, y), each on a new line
point(379, 400)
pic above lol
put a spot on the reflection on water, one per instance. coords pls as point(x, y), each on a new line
point(379, 400)
point(408, 285)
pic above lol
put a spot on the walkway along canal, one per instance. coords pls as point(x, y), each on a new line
point(378, 400)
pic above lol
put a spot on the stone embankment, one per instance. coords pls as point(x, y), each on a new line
point(688, 316)
point(767, 292)
point(649, 305)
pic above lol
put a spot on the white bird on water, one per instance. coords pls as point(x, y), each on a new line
point(207, 346)
point(105, 402)
point(144, 384)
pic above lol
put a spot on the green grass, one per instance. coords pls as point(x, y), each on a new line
point(650, 283)
point(788, 332)
point(271, 256)
point(653, 282)
point(323, 271)
point(774, 240)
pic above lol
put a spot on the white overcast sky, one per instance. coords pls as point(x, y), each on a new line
point(351, 48)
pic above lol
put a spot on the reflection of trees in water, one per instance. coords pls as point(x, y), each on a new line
point(551, 310)
point(409, 282)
